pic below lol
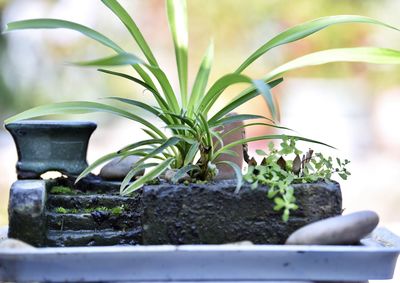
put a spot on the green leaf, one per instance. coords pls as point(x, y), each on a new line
point(123, 15)
point(186, 139)
point(373, 55)
point(130, 59)
point(141, 143)
point(80, 107)
point(235, 118)
point(141, 105)
point(154, 173)
point(181, 127)
point(182, 118)
point(264, 89)
point(133, 172)
point(261, 152)
point(205, 128)
point(201, 80)
point(218, 87)
point(255, 124)
point(238, 173)
point(305, 29)
point(279, 203)
point(167, 89)
point(167, 144)
point(181, 172)
point(161, 102)
point(231, 153)
point(191, 154)
point(97, 163)
point(241, 99)
point(55, 23)
point(177, 19)
point(106, 158)
point(217, 136)
point(116, 60)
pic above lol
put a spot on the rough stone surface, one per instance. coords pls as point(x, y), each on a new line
point(90, 214)
point(93, 238)
point(170, 173)
point(214, 214)
point(92, 221)
point(340, 230)
point(169, 214)
point(44, 146)
point(119, 167)
point(225, 171)
point(14, 244)
point(26, 211)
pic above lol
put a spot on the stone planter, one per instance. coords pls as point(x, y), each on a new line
point(92, 213)
point(95, 214)
point(50, 146)
point(214, 214)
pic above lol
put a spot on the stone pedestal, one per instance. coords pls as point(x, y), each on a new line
point(26, 210)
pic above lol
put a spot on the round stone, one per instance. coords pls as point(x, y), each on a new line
point(170, 174)
point(339, 230)
point(119, 167)
point(14, 244)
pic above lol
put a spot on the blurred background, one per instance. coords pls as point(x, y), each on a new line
point(354, 107)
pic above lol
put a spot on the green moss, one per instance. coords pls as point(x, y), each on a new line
point(61, 210)
point(118, 210)
point(62, 190)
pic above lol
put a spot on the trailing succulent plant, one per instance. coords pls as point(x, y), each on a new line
point(190, 117)
point(281, 168)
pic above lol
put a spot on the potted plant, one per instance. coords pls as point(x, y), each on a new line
point(201, 210)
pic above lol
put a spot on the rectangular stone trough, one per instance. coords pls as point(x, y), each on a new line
point(374, 259)
point(92, 213)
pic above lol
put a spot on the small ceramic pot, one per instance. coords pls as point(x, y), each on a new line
point(44, 146)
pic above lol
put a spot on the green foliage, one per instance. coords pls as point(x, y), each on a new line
point(62, 190)
point(282, 168)
point(193, 135)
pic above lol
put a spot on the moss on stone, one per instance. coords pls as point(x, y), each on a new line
point(117, 210)
point(62, 190)
point(61, 210)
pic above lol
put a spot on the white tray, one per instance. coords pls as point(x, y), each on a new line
point(375, 259)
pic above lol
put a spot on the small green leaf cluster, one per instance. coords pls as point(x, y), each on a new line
point(281, 168)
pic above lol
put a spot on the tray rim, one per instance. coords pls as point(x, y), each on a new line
point(162, 263)
point(201, 248)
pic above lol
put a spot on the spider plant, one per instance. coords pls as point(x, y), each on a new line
point(192, 143)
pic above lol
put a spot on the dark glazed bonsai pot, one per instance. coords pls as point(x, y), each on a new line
point(50, 146)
